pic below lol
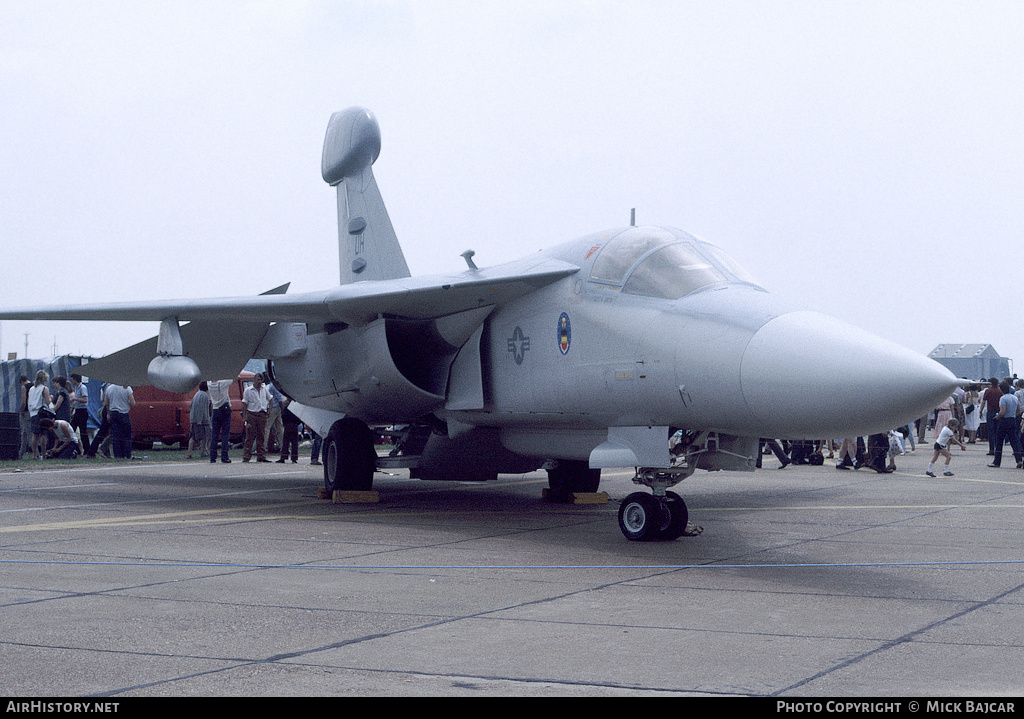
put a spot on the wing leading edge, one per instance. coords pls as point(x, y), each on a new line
point(357, 303)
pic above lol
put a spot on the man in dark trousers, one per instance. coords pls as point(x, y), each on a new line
point(220, 401)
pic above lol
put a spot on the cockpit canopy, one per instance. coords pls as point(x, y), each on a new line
point(663, 262)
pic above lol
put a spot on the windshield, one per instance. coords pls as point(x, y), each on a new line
point(623, 251)
point(671, 272)
point(730, 265)
point(663, 262)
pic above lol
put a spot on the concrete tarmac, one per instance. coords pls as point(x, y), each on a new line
point(194, 579)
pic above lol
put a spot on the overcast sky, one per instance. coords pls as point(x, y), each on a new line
point(865, 159)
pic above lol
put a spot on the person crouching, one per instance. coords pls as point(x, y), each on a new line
point(67, 446)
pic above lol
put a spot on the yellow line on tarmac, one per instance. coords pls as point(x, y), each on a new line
point(955, 478)
point(989, 481)
point(198, 515)
point(768, 508)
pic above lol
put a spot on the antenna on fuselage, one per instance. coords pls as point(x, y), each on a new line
point(632, 217)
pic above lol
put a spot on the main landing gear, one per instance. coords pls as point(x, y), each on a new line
point(659, 516)
point(349, 456)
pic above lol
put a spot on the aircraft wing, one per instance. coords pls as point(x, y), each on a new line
point(356, 303)
point(221, 334)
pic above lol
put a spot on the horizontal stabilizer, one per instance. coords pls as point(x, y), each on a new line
point(221, 349)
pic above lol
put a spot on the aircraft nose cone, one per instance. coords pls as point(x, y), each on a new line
point(807, 375)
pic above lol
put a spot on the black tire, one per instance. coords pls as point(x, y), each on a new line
point(675, 515)
point(571, 475)
point(640, 517)
point(349, 456)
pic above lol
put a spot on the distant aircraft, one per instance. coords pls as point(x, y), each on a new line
point(586, 356)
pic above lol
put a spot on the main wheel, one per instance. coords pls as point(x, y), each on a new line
point(349, 456)
point(674, 517)
point(640, 517)
point(571, 475)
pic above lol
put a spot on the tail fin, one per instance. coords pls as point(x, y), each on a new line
point(367, 246)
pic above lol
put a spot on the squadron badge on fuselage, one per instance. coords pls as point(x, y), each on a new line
point(564, 333)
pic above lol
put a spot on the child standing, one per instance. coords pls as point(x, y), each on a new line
point(947, 435)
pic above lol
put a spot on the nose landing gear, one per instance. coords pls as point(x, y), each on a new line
point(644, 517)
point(659, 516)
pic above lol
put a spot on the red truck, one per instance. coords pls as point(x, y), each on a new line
point(160, 416)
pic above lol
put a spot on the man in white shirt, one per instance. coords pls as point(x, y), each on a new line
point(256, 402)
point(220, 416)
point(274, 434)
point(119, 401)
point(80, 408)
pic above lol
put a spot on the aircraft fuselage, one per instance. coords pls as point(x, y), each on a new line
point(612, 346)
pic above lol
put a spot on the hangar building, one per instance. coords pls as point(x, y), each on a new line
point(972, 361)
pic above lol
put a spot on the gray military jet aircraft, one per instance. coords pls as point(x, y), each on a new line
point(586, 356)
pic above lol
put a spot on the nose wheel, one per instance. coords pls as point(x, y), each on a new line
point(645, 517)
